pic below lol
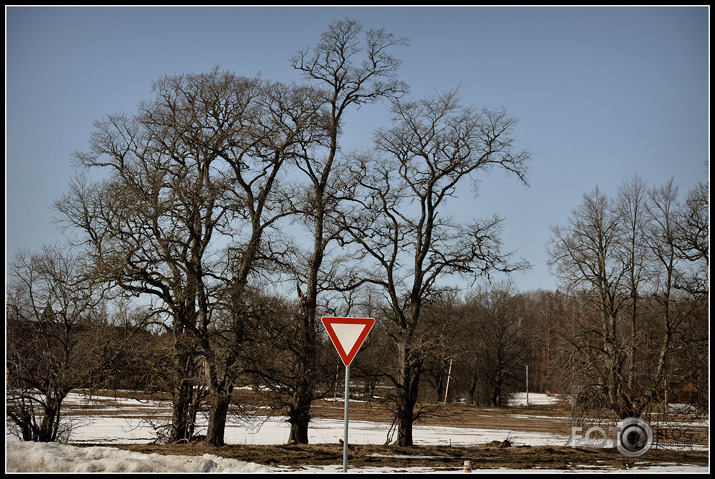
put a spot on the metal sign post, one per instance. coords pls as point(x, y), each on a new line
point(347, 335)
point(347, 414)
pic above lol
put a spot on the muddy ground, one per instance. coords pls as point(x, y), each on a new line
point(539, 418)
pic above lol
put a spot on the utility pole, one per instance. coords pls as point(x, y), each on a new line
point(527, 385)
point(449, 374)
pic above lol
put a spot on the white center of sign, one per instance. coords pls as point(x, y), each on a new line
point(348, 334)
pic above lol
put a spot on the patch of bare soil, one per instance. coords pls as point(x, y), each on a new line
point(443, 458)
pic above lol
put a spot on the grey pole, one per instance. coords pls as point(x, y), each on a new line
point(347, 413)
point(449, 374)
point(527, 385)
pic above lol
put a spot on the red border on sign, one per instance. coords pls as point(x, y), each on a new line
point(347, 357)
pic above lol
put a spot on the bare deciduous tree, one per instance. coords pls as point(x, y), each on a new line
point(182, 213)
point(351, 70)
point(692, 241)
point(620, 259)
point(399, 219)
point(497, 318)
point(586, 255)
point(631, 205)
point(50, 308)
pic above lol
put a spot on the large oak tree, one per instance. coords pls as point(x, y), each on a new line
point(181, 212)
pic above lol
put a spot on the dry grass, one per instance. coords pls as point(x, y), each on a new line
point(492, 456)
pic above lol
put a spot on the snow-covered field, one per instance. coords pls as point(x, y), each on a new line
point(123, 423)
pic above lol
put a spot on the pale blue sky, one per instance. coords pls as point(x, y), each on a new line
point(601, 94)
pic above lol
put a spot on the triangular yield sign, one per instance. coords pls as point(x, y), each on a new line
point(347, 335)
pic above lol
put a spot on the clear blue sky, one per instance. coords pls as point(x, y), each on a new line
point(601, 94)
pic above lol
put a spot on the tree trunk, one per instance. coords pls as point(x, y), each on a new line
point(218, 412)
point(181, 412)
point(50, 420)
point(407, 390)
point(26, 425)
point(299, 410)
point(496, 394)
point(614, 383)
point(183, 415)
point(299, 414)
point(404, 424)
point(220, 388)
point(473, 384)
